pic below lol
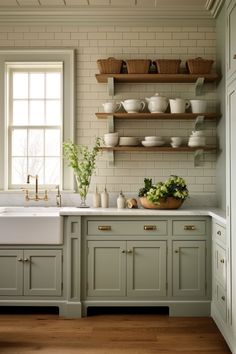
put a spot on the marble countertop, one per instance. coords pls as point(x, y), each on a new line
point(215, 213)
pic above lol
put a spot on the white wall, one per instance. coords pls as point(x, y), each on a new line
point(94, 42)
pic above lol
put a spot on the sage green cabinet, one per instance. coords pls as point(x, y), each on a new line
point(126, 268)
point(231, 45)
point(189, 268)
point(30, 272)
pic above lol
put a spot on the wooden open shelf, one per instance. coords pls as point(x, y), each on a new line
point(170, 116)
point(156, 78)
point(157, 148)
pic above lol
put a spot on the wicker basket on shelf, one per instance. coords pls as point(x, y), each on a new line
point(138, 66)
point(199, 66)
point(109, 66)
point(167, 66)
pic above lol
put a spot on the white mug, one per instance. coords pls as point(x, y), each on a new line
point(176, 141)
point(178, 105)
point(111, 107)
point(198, 106)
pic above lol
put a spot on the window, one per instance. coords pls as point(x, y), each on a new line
point(38, 96)
point(35, 122)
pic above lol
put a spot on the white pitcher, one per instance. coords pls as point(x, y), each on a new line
point(133, 105)
point(111, 107)
point(178, 105)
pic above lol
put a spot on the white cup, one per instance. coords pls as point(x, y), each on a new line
point(178, 105)
point(111, 107)
point(198, 106)
point(176, 141)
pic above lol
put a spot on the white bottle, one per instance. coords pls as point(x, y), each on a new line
point(96, 199)
point(105, 199)
point(121, 201)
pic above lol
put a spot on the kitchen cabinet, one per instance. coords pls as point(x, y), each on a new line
point(126, 268)
point(189, 268)
point(30, 272)
point(147, 261)
point(231, 45)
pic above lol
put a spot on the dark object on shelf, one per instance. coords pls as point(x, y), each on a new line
point(199, 66)
point(167, 66)
point(109, 66)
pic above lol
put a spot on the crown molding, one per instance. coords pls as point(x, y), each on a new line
point(106, 16)
point(214, 6)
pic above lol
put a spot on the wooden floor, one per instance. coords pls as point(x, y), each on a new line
point(109, 334)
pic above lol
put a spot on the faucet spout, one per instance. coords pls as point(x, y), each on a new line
point(36, 197)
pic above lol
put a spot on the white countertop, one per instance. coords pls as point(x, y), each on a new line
point(215, 213)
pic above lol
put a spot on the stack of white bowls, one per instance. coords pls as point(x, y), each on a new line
point(153, 141)
point(111, 139)
point(196, 139)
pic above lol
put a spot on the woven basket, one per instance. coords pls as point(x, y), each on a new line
point(199, 66)
point(138, 66)
point(109, 66)
point(168, 203)
point(167, 66)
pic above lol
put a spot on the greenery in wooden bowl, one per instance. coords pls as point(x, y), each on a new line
point(157, 195)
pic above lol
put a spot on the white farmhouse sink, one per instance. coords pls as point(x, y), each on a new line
point(30, 225)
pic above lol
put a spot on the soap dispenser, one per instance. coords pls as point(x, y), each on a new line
point(105, 199)
point(121, 201)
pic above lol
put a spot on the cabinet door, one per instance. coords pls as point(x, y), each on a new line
point(106, 268)
point(11, 272)
point(43, 272)
point(189, 268)
point(231, 45)
point(220, 265)
point(146, 268)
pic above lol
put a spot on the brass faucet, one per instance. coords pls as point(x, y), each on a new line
point(58, 196)
point(37, 196)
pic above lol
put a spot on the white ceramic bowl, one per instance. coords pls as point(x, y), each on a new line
point(128, 141)
point(150, 143)
point(111, 139)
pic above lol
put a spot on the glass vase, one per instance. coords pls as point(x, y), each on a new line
point(83, 187)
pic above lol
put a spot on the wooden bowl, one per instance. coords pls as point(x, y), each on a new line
point(168, 203)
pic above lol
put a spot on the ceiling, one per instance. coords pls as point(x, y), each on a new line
point(109, 10)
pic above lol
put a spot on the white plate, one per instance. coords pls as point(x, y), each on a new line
point(152, 143)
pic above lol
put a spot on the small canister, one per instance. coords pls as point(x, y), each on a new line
point(121, 201)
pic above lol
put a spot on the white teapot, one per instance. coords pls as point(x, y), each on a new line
point(133, 105)
point(157, 103)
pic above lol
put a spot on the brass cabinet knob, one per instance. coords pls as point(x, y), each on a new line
point(122, 251)
point(176, 251)
point(223, 298)
point(150, 227)
point(219, 233)
point(129, 251)
point(234, 56)
point(20, 259)
point(222, 260)
point(104, 228)
point(190, 227)
point(26, 259)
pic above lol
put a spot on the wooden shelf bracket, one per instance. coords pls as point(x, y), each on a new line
point(197, 157)
point(199, 86)
point(111, 123)
point(199, 122)
point(111, 86)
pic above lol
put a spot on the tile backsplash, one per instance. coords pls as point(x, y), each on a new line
point(95, 42)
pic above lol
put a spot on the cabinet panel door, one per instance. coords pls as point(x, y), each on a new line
point(220, 265)
point(189, 268)
point(231, 50)
point(146, 268)
point(106, 268)
point(42, 272)
point(11, 272)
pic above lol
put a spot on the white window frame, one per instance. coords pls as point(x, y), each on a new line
point(37, 56)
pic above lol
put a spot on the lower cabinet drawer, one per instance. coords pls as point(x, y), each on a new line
point(189, 227)
point(149, 227)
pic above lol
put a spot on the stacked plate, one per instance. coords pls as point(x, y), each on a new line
point(197, 139)
point(153, 141)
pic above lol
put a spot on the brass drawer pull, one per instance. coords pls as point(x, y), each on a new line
point(20, 259)
point(219, 233)
point(234, 56)
point(222, 261)
point(122, 251)
point(129, 251)
point(189, 227)
point(176, 251)
point(223, 298)
point(104, 228)
point(26, 259)
point(150, 227)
